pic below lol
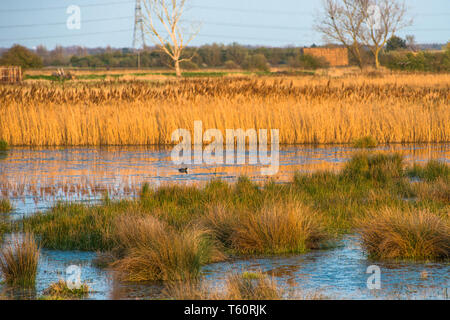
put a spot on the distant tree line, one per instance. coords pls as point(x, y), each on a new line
point(398, 54)
point(233, 56)
point(425, 61)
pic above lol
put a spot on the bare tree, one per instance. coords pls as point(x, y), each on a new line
point(411, 42)
point(383, 19)
point(172, 38)
point(343, 21)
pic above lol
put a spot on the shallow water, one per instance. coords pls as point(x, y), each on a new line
point(34, 178)
point(339, 273)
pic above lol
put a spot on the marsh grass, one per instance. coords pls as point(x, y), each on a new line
point(341, 199)
point(3, 145)
point(5, 206)
point(378, 167)
point(4, 228)
point(60, 291)
point(406, 234)
point(19, 260)
point(238, 286)
point(279, 228)
point(256, 287)
point(188, 290)
point(155, 251)
point(221, 220)
point(437, 190)
point(431, 171)
point(71, 226)
point(235, 219)
point(367, 142)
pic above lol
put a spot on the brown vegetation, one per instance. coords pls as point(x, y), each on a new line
point(19, 260)
point(311, 110)
point(238, 286)
point(154, 250)
point(406, 234)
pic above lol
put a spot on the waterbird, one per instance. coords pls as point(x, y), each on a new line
point(184, 170)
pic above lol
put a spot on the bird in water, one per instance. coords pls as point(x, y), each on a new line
point(184, 170)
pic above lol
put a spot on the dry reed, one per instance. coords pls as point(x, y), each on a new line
point(402, 109)
point(238, 286)
point(5, 206)
point(154, 250)
point(254, 286)
point(279, 228)
point(19, 260)
point(406, 234)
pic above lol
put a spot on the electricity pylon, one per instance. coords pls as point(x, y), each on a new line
point(138, 36)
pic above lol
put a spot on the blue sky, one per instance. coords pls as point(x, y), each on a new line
point(252, 22)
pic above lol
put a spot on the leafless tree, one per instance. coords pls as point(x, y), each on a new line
point(343, 21)
point(383, 19)
point(172, 38)
point(411, 42)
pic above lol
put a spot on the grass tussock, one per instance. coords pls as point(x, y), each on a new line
point(431, 171)
point(222, 221)
point(61, 291)
point(238, 286)
point(406, 234)
point(3, 145)
point(4, 227)
point(258, 286)
point(144, 113)
point(5, 206)
point(279, 228)
point(19, 260)
point(378, 167)
point(72, 226)
point(188, 290)
point(155, 251)
point(367, 142)
point(438, 190)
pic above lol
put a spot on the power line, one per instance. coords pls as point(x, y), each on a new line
point(226, 24)
point(65, 7)
point(258, 11)
point(129, 30)
point(272, 12)
point(130, 17)
point(255, 11)
point(66, 36)
point(201, 35)
point(252, 26)
point(63, 23)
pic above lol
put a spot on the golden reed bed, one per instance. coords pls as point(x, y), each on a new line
point(391, 108)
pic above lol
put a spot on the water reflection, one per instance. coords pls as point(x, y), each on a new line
point(341, 274)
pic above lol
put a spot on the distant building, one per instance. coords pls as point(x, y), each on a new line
point(336, 57)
